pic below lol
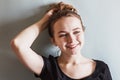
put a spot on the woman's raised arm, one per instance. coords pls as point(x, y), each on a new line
point(22, 42)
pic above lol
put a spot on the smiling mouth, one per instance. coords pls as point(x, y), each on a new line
point(72, 46)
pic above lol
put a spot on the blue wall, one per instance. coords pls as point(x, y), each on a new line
point(102, 40)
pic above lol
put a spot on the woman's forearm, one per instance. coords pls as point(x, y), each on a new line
point(26, 37)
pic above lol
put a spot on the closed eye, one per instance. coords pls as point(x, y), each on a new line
point(76, 32)
point(62, 35)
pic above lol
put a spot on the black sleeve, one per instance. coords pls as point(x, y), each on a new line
point(102, 71)
point(46, 73)
point(107, 73)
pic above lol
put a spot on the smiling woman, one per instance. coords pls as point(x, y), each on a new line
point(66, 30)
point(69, 35)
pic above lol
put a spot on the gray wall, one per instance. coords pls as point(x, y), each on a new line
point(102, 40)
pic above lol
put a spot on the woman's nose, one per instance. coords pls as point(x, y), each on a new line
point(71, 38)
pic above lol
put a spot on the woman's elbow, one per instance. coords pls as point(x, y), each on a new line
point(15, 44)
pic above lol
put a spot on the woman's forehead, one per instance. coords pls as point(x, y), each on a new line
point(68, 22)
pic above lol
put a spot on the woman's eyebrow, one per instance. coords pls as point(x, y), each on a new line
point(76, 29)
point(61, 32)
point(65, 31)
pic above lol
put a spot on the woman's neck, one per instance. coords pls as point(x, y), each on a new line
point(72, 59)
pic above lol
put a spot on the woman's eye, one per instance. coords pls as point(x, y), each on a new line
point(76, 32)
point(62, 35)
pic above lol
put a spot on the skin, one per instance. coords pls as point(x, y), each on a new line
point(68, 36)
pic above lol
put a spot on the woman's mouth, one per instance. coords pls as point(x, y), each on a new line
point(72, 46)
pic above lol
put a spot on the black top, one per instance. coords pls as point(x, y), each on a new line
point(51, 71)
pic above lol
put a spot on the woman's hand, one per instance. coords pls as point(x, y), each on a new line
point(48, 15)
point(42, 23)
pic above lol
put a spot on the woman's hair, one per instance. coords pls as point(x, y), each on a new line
point(61, 10)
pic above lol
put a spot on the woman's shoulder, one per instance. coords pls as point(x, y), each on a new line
point(48, 57)
point(100, 63)
point(50, 60)
point(101, 71)
point(101, 66)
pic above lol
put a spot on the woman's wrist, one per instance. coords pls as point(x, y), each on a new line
point(38, 25)
point(41, 24)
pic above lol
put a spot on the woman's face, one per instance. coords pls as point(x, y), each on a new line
point(68, 35)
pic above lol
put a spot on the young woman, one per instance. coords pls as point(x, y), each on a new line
point(66, 30)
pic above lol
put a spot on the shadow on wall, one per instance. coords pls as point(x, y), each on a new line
point(8, 30)
point(10, 68)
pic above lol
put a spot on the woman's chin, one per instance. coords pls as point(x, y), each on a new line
point(75, 50)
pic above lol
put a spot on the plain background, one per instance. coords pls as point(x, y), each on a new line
point(102, 40)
